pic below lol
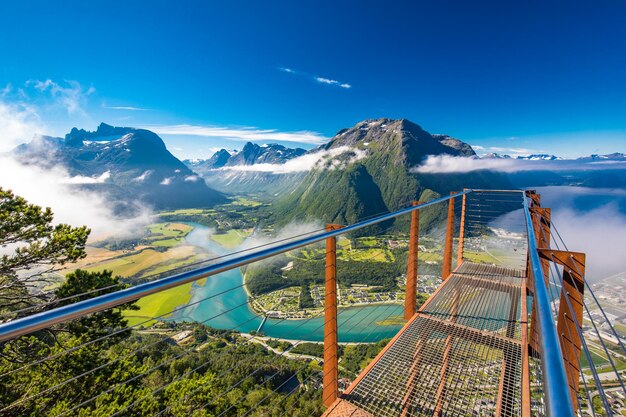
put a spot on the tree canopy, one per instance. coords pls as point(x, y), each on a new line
point(33, 248)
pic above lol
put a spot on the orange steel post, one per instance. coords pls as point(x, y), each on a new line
point(411, 275)
point(330, 389)
point(447, 249)
point(462, 231)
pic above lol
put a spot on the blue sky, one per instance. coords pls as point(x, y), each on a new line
point(517, 77)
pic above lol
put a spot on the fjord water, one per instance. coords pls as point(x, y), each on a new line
point(230, 310)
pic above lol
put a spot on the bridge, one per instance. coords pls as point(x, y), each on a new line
point(506, 336)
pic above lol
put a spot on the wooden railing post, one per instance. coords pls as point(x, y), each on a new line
point(462, 231)
point(330, 391)
point(411, 274)
point(447, 249)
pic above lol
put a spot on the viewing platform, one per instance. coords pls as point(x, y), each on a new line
point(461, 353)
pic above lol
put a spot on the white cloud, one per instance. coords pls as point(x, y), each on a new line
point(166, 181)
point(55, 188)
point(18, 123)
point(129, 108)
point(460, 164)
point(143, 176)
point(192, 178)
point(328, 81)
point(240, 134)
point(331, 82)
point(317, 78)
point(323, 159)
point(453, 164)
point(71, 95)
point(598, 232)
point(6, 90)
point(80, 179)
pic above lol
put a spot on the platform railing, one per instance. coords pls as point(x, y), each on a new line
point(555, 383)
point(46, 319)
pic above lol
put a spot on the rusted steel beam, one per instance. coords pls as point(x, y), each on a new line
point(443, 377)
point(568, 322)
point(525, 358)
point(501, 387)
point(330, 389)
point(462, 232)
point(505, 385)
point(411, 275)
point(411, 382)
point(443, 373)
point(447, 249)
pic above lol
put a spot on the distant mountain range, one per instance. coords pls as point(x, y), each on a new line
point(250, 154)
point(362, 171)
point(127, 164)
point(533, 157)
point(616, 156)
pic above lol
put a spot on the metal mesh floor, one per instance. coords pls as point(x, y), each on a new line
point(460, 356)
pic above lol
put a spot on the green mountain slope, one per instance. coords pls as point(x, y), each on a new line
point(379, 178)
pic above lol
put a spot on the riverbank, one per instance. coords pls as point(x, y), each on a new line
point(224, 302)
point(304, 314)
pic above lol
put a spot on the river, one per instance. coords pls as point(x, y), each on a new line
point(230, 309)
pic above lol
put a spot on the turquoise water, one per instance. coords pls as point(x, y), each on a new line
point(230, 310)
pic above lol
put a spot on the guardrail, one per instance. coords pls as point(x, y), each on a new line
point(39, 321)
point(556, 388)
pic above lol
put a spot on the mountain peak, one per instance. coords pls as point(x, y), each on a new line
point(103, 132)
point(406, 139)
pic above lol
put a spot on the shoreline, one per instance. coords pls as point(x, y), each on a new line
point(313, 311)
point(296, 342)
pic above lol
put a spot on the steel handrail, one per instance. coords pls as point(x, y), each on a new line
point(43, 320)
point(555, 384)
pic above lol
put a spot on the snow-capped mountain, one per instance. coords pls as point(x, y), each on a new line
point(251, 154)
point(532, 157)
point(616, 156)
point(130, 163)
point(540, 157)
